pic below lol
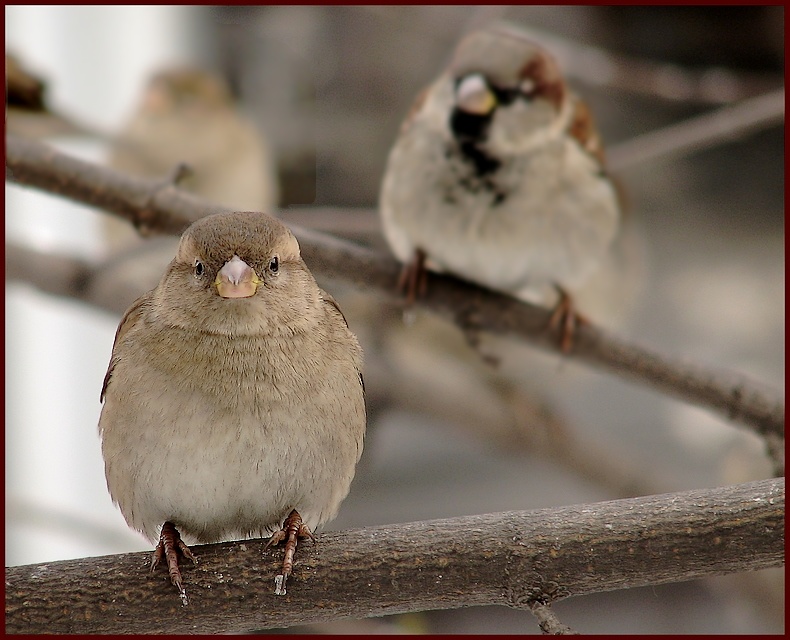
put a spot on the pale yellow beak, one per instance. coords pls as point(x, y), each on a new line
point(237, 279)
point(473, 96)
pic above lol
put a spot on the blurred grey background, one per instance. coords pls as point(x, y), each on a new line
point(328, 88)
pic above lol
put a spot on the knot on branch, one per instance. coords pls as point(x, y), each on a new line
point(147, 219)
point(534, 589)
point(525, 585)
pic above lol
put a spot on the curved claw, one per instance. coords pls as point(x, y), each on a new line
point(169, 547)
point(293, 529)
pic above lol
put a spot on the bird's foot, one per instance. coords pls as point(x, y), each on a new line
point(169, 547)
point(413, 280)
point(293, 529)
point(565, 319)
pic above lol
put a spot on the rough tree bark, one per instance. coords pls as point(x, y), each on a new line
point(514, 559)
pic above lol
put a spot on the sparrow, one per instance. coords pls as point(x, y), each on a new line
point(187, 115)
point(233, 401)
point(497, 177)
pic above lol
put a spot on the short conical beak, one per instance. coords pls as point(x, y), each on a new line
point(474, 96)
point(236, 279)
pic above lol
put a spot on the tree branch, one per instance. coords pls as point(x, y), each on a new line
point(157, 207)
point(700, 132)
point(514, 558)
point(475, 309)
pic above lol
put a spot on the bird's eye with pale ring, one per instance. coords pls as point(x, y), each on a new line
point(527, 87)
point(199, 268)
point(274, 264)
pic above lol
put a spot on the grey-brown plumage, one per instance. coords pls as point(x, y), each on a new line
point(234, 393)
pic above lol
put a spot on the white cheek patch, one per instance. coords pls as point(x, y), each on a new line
point(527, 86)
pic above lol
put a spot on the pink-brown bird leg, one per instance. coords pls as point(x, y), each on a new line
point(169, 547)
point(293, 529)
point(413, 280)
point(565, 318)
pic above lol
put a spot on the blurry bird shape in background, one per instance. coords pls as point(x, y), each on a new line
point(497, 176)
point(188, 115)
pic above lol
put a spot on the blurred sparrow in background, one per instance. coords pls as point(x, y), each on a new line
point(188, 115)
point(497, 177)
point(233, 402)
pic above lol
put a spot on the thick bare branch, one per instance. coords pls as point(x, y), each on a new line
point(512, 559)
point(150, 206)
point(156, 207)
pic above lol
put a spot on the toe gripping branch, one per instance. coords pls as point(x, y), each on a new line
point(566, 319)
point(293, 529)
point(413, 279)
point(169, 547)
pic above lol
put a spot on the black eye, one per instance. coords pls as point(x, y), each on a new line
point(274, 264)
point(199, 269)
point(528, 88)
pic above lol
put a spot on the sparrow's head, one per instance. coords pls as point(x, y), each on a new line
point(184, 90)
point(508, 93)
point(238, 273)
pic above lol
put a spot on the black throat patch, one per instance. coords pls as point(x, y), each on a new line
point(470, 131)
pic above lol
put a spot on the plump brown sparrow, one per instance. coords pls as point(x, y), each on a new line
point(188, 115)
point(233, 402)
point(497, 177)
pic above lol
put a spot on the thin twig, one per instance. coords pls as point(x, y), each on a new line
point(548, 621)
point(695, 134)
